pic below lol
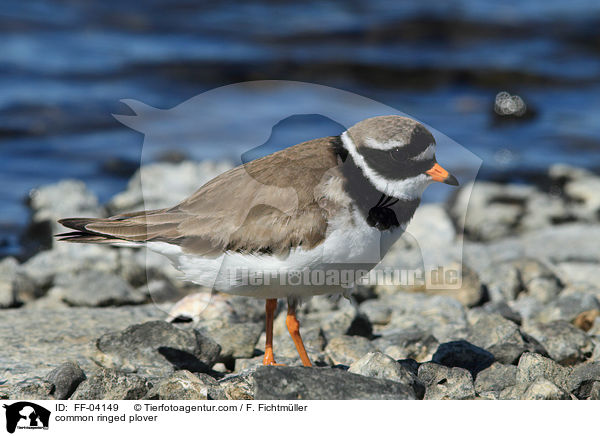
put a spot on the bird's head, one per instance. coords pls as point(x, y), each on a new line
point(396, 154)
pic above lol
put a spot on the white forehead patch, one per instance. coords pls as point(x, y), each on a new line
point(426, 154)
point(387, 145)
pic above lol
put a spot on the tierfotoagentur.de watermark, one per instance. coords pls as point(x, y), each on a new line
point(345, 278)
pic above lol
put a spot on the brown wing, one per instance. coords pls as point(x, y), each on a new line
point(267, 205)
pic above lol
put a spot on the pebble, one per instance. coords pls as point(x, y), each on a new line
point(109, 384)
point(156, 347)
point(412, 343)
point(181, 385)
point(65, 379)
point(583, 379)
point(379, 365)
point(164, 184)
point(568, 306)
point(95, 288)
point(543, 389)
point(236, 340)
point(496, 378)
point(31, 390)
point(503, 281)
point(533, 365)
point(348, 320)
point(565, 343)
point(9, 289)
point(345, 350)
point(67, 198)
point(463, 354)
point(499, 336)
point(240, 386)
point(444, 383)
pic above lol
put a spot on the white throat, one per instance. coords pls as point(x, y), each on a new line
point(407, 189)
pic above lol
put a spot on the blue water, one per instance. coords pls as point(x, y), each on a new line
point(64, 66)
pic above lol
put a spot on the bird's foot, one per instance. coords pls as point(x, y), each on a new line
point(269, 360)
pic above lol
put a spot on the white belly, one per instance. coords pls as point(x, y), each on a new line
point(347, 247)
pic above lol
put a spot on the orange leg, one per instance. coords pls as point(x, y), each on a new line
point(270, 307)
point(294, 328)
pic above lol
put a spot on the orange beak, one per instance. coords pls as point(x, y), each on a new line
point(439, 174)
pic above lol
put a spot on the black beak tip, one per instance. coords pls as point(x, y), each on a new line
point(451, 180)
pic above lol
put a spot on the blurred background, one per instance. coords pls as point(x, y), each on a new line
point(65, 64)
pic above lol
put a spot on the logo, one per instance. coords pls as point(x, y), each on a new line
point(26, 415)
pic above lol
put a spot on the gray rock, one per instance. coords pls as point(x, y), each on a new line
point(239, 386)
point(202, 306)
point(246, 309)
point(329, 303)
point(584, 379)
point(215, 391)
point(499, 336)
point(585, 192)
point(65, 379)
point(35, 341)
point(345, 350)
point(236, 340)
point(95, 288)
point(67, 198)
point(538, 280)
point(496, 378)
point(471, 293)
point(544, 210)
point(595, 391)
point(432, 226)
point(583, 274)
point(160, 291)
point(564, 342)
point(377, 311)
point(573, 242)
point(543, 389)
point(568, 306)
point(379, 365)
point(532, 365)
point(442, 316)
point(347, 320)
point(464, 355)
point(513, 392)
point(9, 288)
point(300, 383)
point(412, 343)
point(156, 348)
point(527, 307)
point(504, 310)
point(494, 210)
point(32, 389)
point(161, 185)
point(503, 281)
point(182, 385)
point(562, 173)
point(108, 384)
point(67, 258)
point(443, 383)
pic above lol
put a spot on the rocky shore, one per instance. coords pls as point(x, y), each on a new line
point(90, 322)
